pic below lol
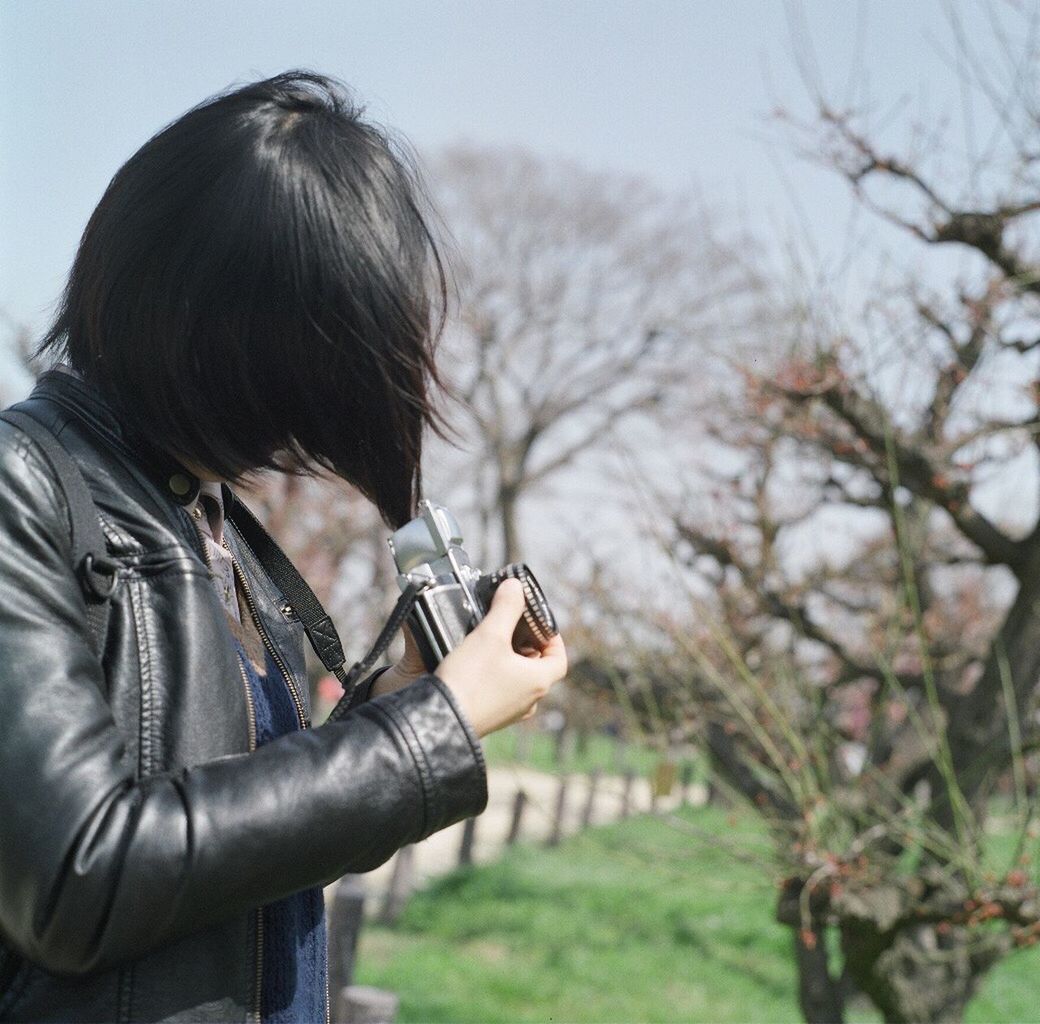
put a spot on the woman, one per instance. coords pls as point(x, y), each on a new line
point(256, 289)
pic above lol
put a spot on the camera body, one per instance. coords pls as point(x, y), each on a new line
point(452, 594)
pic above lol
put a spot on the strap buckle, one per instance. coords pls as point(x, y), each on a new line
point(99, 574)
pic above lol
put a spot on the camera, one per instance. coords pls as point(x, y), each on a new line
point(452, 596)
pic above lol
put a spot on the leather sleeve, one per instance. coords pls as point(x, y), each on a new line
point(97, 868)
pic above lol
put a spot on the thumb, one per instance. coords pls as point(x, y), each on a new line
point(412, 655)
point(507, 605)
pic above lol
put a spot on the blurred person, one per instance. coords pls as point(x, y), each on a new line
point(257, 290)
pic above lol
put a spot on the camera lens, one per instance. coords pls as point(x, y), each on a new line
point(537, 625)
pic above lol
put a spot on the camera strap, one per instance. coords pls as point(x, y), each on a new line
point(319, 627)
point(95, 571)
point(386, 635)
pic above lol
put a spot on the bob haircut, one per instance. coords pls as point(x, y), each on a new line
point(258, 289)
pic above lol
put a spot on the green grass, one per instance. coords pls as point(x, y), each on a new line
point(598, 751)
point(631, 922)
point(1008, 993)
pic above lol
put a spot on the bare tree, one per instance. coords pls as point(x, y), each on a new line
point(865, 670)
point(584, 300)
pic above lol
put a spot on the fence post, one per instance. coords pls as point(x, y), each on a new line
point(519, 803)
point(581, 740)
point(522, 748)
point(561, 801)
point(345, 917)
point(401, 881)
point(685, 780)
point(560, 745)
point(626, 795)
point(713, 796)
point(362, 1004)
point(619, 756)
point(590, 799)
point(469, 830)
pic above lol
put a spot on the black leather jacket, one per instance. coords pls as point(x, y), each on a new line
point(139, 829)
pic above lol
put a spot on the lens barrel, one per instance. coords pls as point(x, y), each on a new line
point(537, 625)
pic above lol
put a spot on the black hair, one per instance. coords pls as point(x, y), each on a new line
point(259, 288)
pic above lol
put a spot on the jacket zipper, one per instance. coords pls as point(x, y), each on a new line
point(328, 1001)
point(255, 1012)
point(294, 693)
point(259, 975)
point(250, 707)
point(241, 577)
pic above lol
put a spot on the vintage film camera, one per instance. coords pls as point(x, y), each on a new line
point(452, 596)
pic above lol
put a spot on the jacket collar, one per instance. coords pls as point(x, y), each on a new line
point(66, 388)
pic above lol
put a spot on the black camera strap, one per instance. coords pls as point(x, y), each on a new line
point(383, 641)
point(319, 627)
point(95, 571)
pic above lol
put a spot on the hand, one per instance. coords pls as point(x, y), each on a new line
point(494, 685)
point(407, 669)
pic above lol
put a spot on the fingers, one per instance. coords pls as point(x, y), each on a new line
point(412, 654)
point(411, 662)
point(410, 646)
point(555, 647)
point(555, 654)
point(507, 605)
point(550, 667)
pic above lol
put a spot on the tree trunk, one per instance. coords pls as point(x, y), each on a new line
point(507, 508)
point(978, 730)
point(819, 994)
point(916, 976)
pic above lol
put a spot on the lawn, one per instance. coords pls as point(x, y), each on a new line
point(538, 750)
point(632, 922)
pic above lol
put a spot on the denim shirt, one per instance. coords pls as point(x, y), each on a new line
point(294, 972)
point(294, 961)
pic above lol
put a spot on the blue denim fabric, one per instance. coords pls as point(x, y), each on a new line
point(295, 953)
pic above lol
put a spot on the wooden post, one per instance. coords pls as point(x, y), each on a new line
point(519, 803)
point(619, 756)
point(402, 879)
point(626, 795)
point(664, 779)
point(685, 781)
point(469, 831)
point(345, 917)
point(590, 800)
point(561, 802)
point(362, 1004)
point(560, 746)
point(713, 796)
point(581, 741)
point(522, 749)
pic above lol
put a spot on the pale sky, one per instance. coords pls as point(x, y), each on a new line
point(680, 91)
